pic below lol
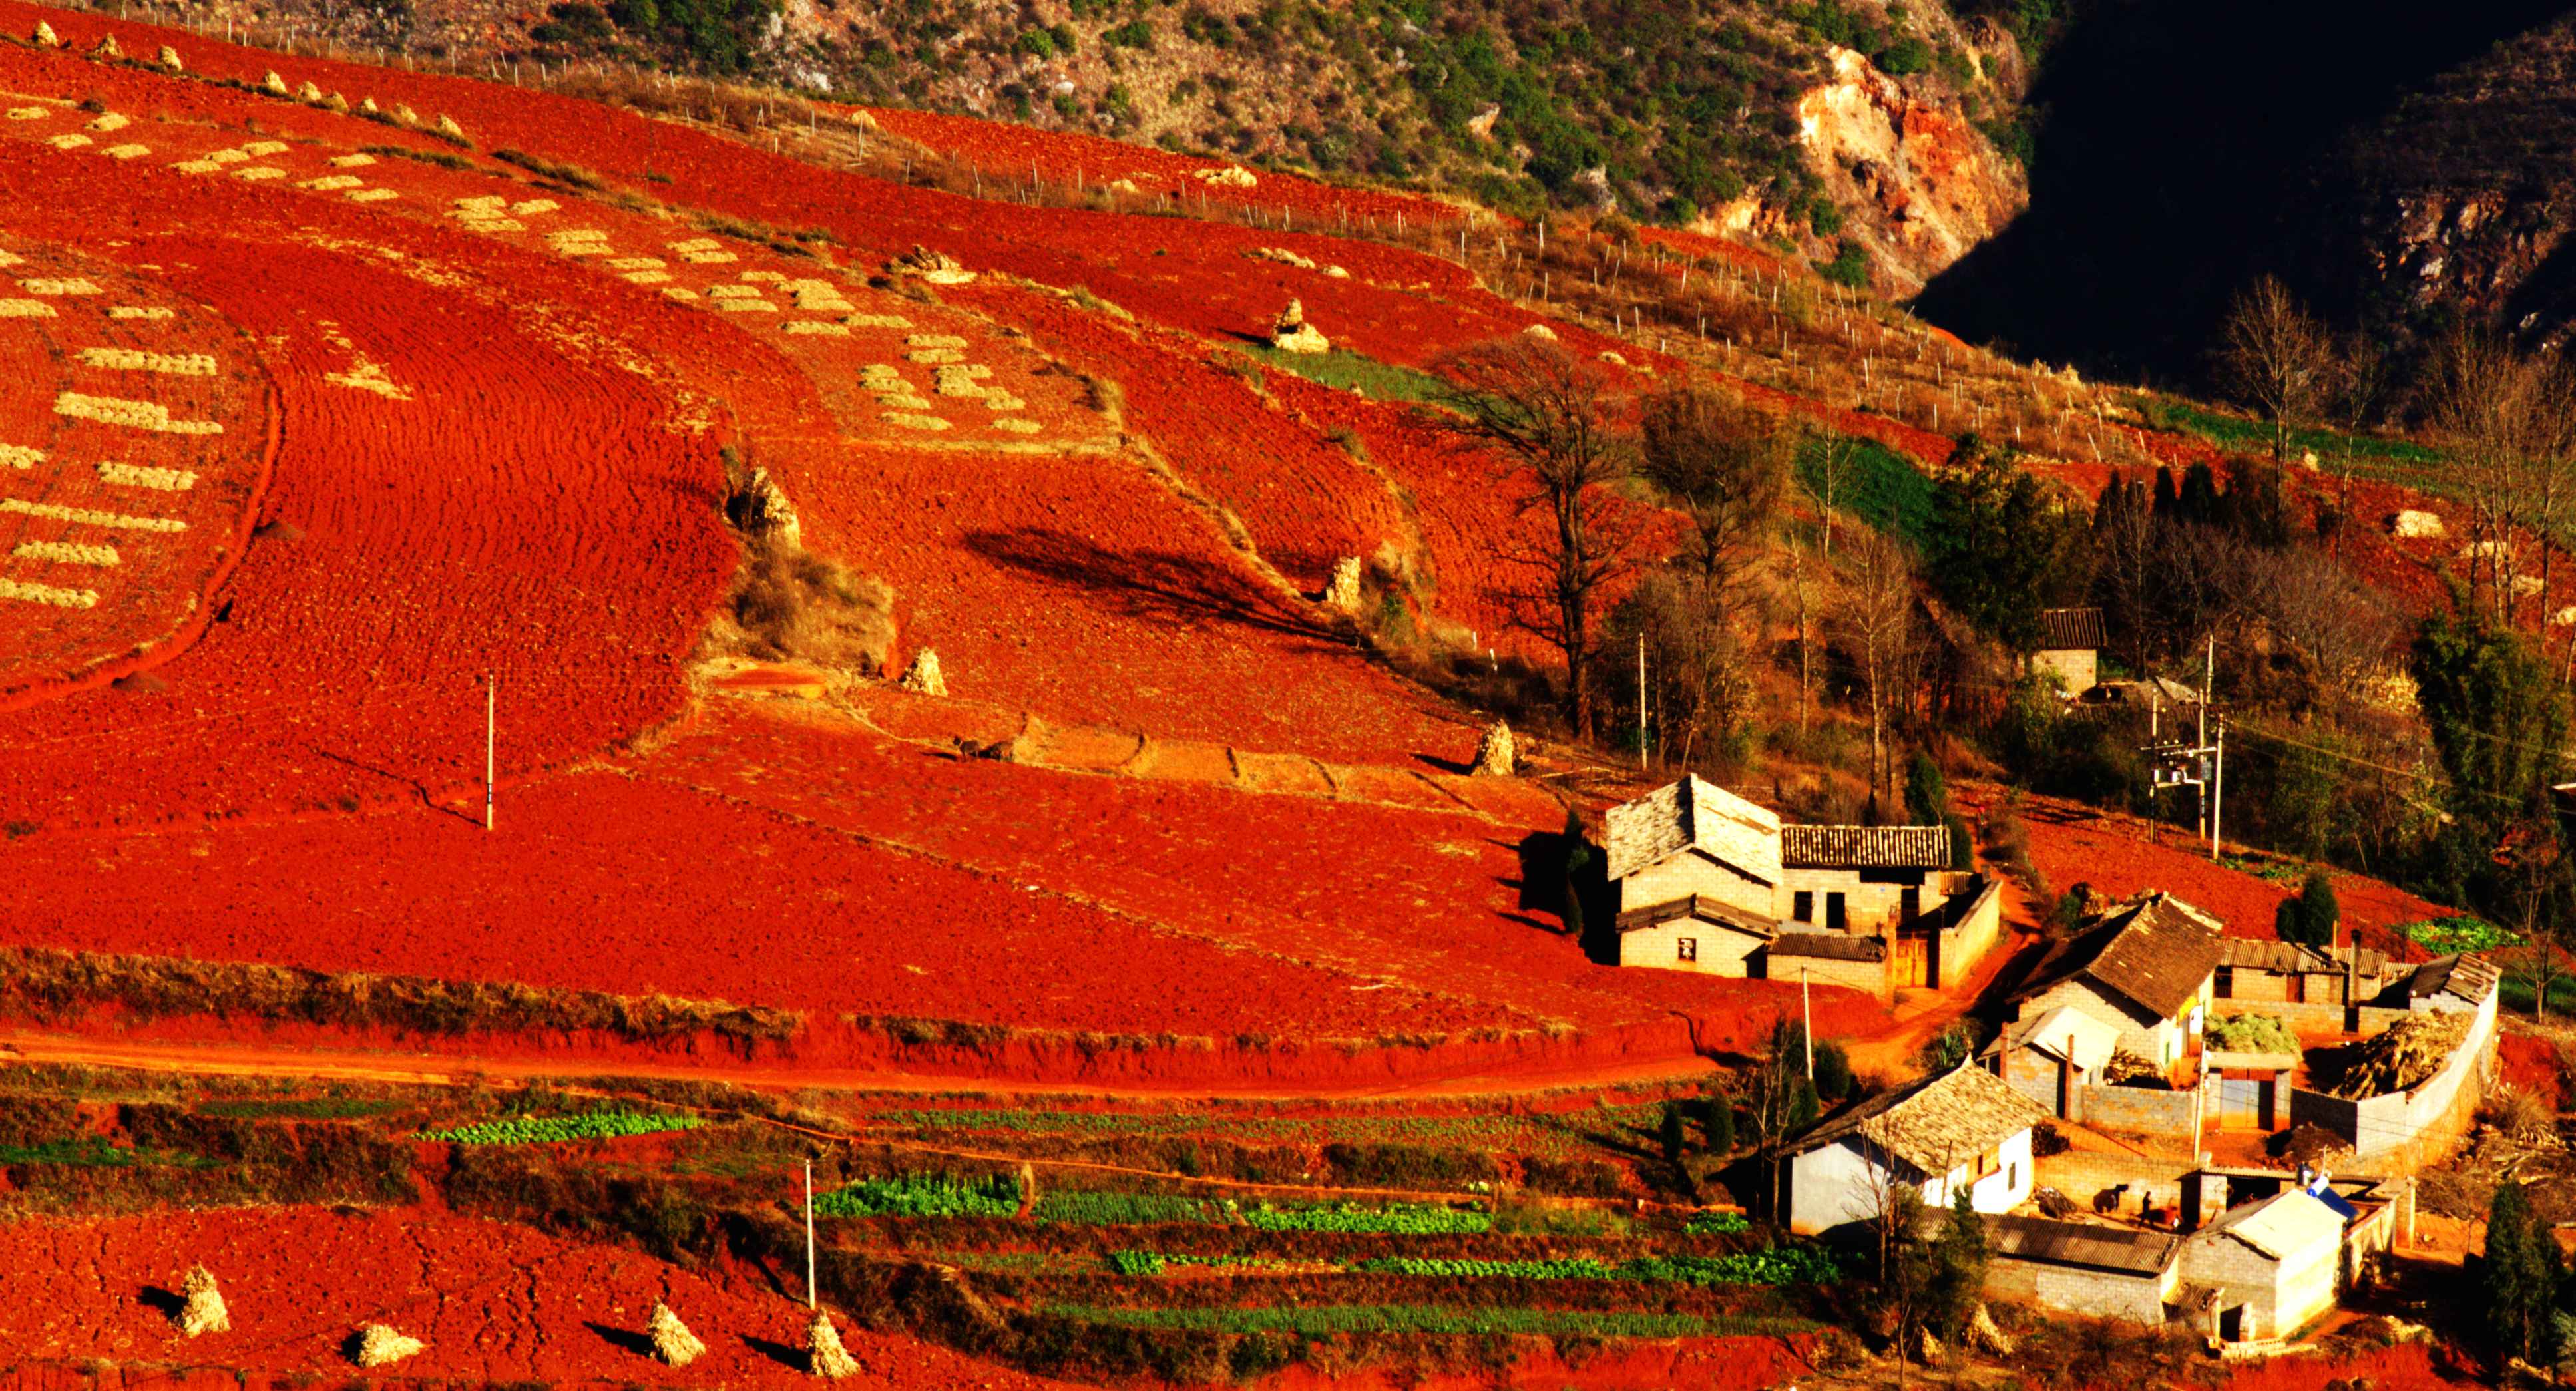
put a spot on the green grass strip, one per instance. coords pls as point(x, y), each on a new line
point(1329, 1320)
point(1343, 370)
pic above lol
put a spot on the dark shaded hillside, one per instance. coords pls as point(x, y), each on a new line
point(2180, 155)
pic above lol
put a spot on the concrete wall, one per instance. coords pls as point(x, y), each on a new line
point(2096, 1293)
point(1966, 941)
point(2313, 1017)
point(1840, 1183)
point(1722, 951)
point(2075, 668)
point(2139, 1110)
point(1866, 976)
point(1691, 872)
point(2086, 1177)
point(2279, 1297)
point(2380, 1124)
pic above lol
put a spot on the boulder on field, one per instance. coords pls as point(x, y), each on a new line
point(2524, 586)
point(1612, 358)
point(934, 267)
point(367, 106)
point(1342, 592)
point(308, 93)
point(336, 102)
point(922, 674)
point(1336, 273)
point(2563, 617)
point(824, 1355)
point(1495, 755)
point(107, 48)
point(1541, 332)
point(45, 37)
point(405, 115)
point(203, 1309)
point(273, 84)
point(1232, 176)
point(2411, 525)
point(1290, 333)
point(1982, 1334)
point(672, 1341)
point(379, 1345)
point(450, 129)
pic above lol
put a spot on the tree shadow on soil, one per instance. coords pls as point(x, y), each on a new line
point(167, 1302)
point(624, 1339)
point(1157, 585)
point(1543, 887)
point(791, 1358)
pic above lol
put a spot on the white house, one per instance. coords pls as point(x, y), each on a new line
point(2145, 968)
point(1963, 1127)
point(2270, 1268)
point(2070, 648)
point(1694, 839)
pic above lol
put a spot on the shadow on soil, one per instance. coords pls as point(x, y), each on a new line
point(791, 1358)
point(624, 1339)
point(1159, 585)
point(166, 1302)
point(1544, 885)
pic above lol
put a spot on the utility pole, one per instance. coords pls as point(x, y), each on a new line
point(1641, 702)
point(2217, 787)
point(491, 684)
point(810, 1303)
point(1807, 1024)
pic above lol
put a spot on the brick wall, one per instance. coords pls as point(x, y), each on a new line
point(2139, 1110)
point(2085, 1177)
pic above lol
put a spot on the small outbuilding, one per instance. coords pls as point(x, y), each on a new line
point(2297, 973)
point(2085, 1268)
point(1963, 1127)
point(1694, 839)
point(2271, 1267)
point(2050, 1056)
point(2070, 648)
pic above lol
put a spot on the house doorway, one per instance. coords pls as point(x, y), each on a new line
point(1908, 962)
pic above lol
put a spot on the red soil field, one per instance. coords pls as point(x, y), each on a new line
point(1009, 152)
point(495, 1302)
point(1703, 247)
point(2406, 1367)
point(707, 898)
point(2531, 1062)
point(148, 580)
point(2121, 856)
point(1423, 900)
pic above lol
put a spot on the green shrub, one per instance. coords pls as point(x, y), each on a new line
point(1849, 267)
point(924, 1195)
point(1904, 57)
point(2447, 936)
point(1717, 1224)
point(1136, 33)
point(1037, 43)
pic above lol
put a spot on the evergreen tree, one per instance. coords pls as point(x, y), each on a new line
point(2521, 1275)
point(1927, 793)
point(1717, 1124)
point(1674, 1135)
point(1958, 1264)
point(1578, 858)
point(2310, 915)
point(1833, 1072)
point(2001, 547)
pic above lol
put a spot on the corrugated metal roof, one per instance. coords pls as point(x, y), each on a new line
point(1693, 814)
point(2120, 1249)
point(1865, 847)
point(2283, 958)
point(2070, 630)
point(1828, 946)
point(2283, 1226)
point(1699, 908)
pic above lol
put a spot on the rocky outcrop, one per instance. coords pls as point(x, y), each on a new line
point(1290, 333)
point(1921, 185)
point(1496, 756)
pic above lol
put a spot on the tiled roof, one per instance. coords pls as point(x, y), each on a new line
point(2068, 630)
point(2121, 1250)
point(1693, 814)
point(1828, 946)
point(1935, 1124)
point(2282, 958)
point(1698, 907)
point(2156, 952)
point(1865, 847)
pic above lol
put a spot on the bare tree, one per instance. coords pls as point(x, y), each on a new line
point(2505, 418)
point(1798, 572)
point(2274, 354)
point(1876, 612)
point(1837, 459)
point(1722, 463)
point(1546, 412)
point(2339, 625)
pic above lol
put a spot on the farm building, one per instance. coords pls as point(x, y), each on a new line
point(2296, 973)
point(2070, 648)
point(1711, 882)
point(2451, 984)
point(2088, 1268)
point(1961, 1127)
point(2051, 1056)
point(2271, 1267)
point(2144, 967)
point(1694, 839)
point(1694, 934)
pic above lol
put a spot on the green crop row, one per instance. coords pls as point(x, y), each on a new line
point(1331, 1320)
point(1717, 1223)
point(2445, 936)
point(1412, 1219)
point(547, 1130)
point(923, 1195)
point(92, 1152)
point(1776, 1266)
point(1157, 1262)
point(1089, 1209)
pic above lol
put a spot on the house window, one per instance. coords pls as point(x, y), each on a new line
point(2012, 1177)
point(1690, 949)
point(1802, 906)
point(2226, 985)
point(1834, 918)
point(1986, 1164)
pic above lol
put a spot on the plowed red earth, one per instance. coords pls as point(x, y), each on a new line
point(153, 580)
point(495, 1303)
point(1010, 152)
point(1425, 900)
point(2121, 855)
point(638, 886)
point(533, 508)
